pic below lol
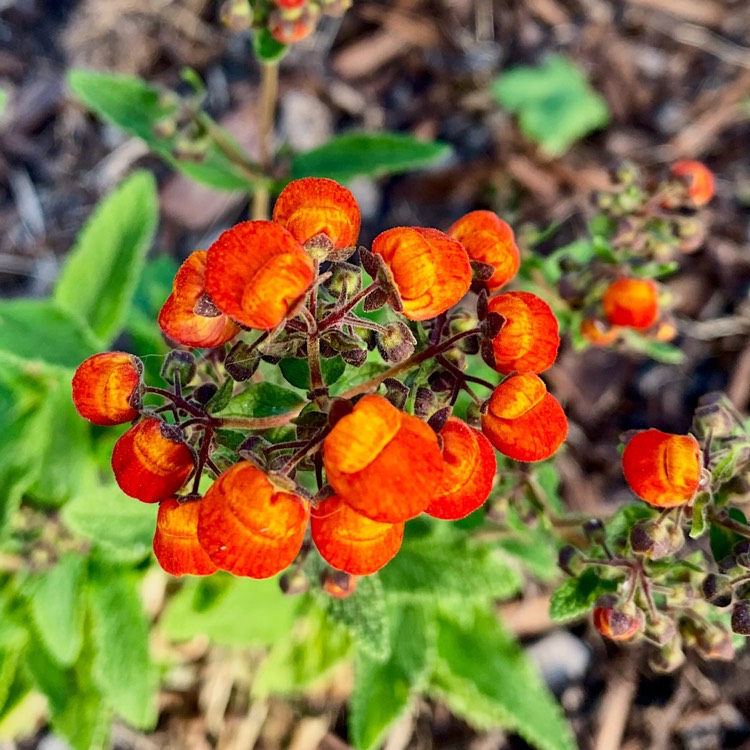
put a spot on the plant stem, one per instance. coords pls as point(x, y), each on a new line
point(337, 315)
point(178, 401)
point(269, 90)
point(313, 340)
point(722, 518)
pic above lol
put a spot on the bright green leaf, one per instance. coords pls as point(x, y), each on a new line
point(577, 596)
point(485, 677)
point(3, 101)
point(297, 371)
point(371, 154)
point(121, 527)
point(555, 104)
point(383, 690)
point(149, 113)
point(246, 612)
point(266, 48)
point(13, 640)
point(122, 667)
point(56, 608)
point(262, 400)
point(659, 351)
point(100, 276)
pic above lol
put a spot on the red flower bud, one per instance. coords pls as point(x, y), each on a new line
point(106, 387)
point(188, 316)
point(314, 206)
point(662, 469)
point(176, 544)
point(631, 302)
point(150, 461)
point(598, 333)
point(256, 272)
point(616, 624)
point(699, 179)
point(523, 421)
point(248, 526)
point(430, 270)
point(469, 467)
point(488, 239)
point(385, 464)
point(529, 340)
point(351, 542)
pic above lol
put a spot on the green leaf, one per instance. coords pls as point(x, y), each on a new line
point(56, 608)
point(659, 351)
point(122, 666)
point(101, 274)
point(576, 596)
point(723, 539)
point(555, 104)
point(297, 371)
point(151, 114)
point(262, 400)
point(246, 612)
point(383, 690)
point(303, 657)
point(220, 400)
point(619, 524)
point(449, 567)
point(13, 640)
point(371, 154)
point(43, 332)
point(121, 527)
point(484, 676)
point(699, 525)
point(3, 101)
point(580, 251)
point(266, 48)
point(355, 375)
point(362, 613)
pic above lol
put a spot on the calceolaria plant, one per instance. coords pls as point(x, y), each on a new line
point(248, 473)
point(674, 570)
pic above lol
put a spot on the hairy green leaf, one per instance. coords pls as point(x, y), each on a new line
point(297, 371)
point(576, 596)
point(262, 400)
point(372, 154)
point(100, 276)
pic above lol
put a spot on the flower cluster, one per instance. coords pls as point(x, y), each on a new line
point(651, 588)
point(639, 234)
point(288, 21)
point(348, 469)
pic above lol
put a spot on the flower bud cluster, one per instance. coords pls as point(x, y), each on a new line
point(286, 298)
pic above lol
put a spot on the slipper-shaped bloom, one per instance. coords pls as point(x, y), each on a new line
point(469, 467)
point(151, 461)
point(523, 421)
point(633, 303)
point(188, 316)
point(530, 338)
point(700, 181)
point(430, 270)
point(176, 544)
point(661, 468)
point(256, 272)
point(106, 387)
point(385, 464)
point(488, 239)
point(318, 206)
point(349, 541)
point(248, 526)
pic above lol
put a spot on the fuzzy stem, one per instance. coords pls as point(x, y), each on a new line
point(269, 86)
point(337, 315)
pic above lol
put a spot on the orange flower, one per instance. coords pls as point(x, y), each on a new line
point(597, 332)
point(615, 624)
point(523, 421)
point(430, 269)
point(631, 302)
point(151, 461)
point(488, 239)
point(351, 542)
point(469, 467)
point(256, 272)
point(699, 179)
point(107, 388)
point(338, 584)
point(314, 206)
point(188, 316)
point(529, 340)
point(248, 526)
point(662, 469)
point(385, 464)
point(176, 544)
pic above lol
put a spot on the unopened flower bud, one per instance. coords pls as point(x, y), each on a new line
point(660, 628)
point(729, 566)
point(741, 617)
point(656, 539)
point(714, 419)
point(396, 343)
point(338, 584)
point(236, 15)
point(570, 560)
point(345, 281)
point(619, 623)
point(204, 393)
point(294, 583)
point(241, 362)
point(714, 642)
point(425, 403)
point(669, 658)
point(442, 381)
point(396, 392)
point(178, 364)
point(594, 530)
point(717, 589)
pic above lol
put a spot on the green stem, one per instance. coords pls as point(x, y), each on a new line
point(269, 87)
